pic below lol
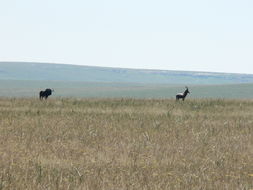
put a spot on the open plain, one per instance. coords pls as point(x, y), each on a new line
point(126, 144)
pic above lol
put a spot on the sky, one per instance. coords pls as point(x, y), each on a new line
point(189, 35)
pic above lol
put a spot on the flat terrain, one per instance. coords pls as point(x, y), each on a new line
point(111, 144)
point(26, 79)
point(70, 73)
point(31, 88)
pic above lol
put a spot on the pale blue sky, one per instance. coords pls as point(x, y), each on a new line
point(196, 35)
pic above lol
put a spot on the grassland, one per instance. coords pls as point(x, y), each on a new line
point(126, 144)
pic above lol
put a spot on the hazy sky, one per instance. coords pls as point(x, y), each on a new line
point(200, 35)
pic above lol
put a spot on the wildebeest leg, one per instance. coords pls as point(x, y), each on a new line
point(41, 94)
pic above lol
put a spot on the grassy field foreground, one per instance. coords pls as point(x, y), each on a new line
point(124, 144)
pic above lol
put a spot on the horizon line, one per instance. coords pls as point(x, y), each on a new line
point(111, 67)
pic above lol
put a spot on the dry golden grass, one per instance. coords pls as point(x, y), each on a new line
point(126, 144)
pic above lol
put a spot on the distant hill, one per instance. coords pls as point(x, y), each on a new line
point(73, 73)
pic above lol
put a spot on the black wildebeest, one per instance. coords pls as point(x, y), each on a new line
point(45, 93)
point(182, 95)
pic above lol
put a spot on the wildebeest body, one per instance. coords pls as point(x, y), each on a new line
point(45, 93)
